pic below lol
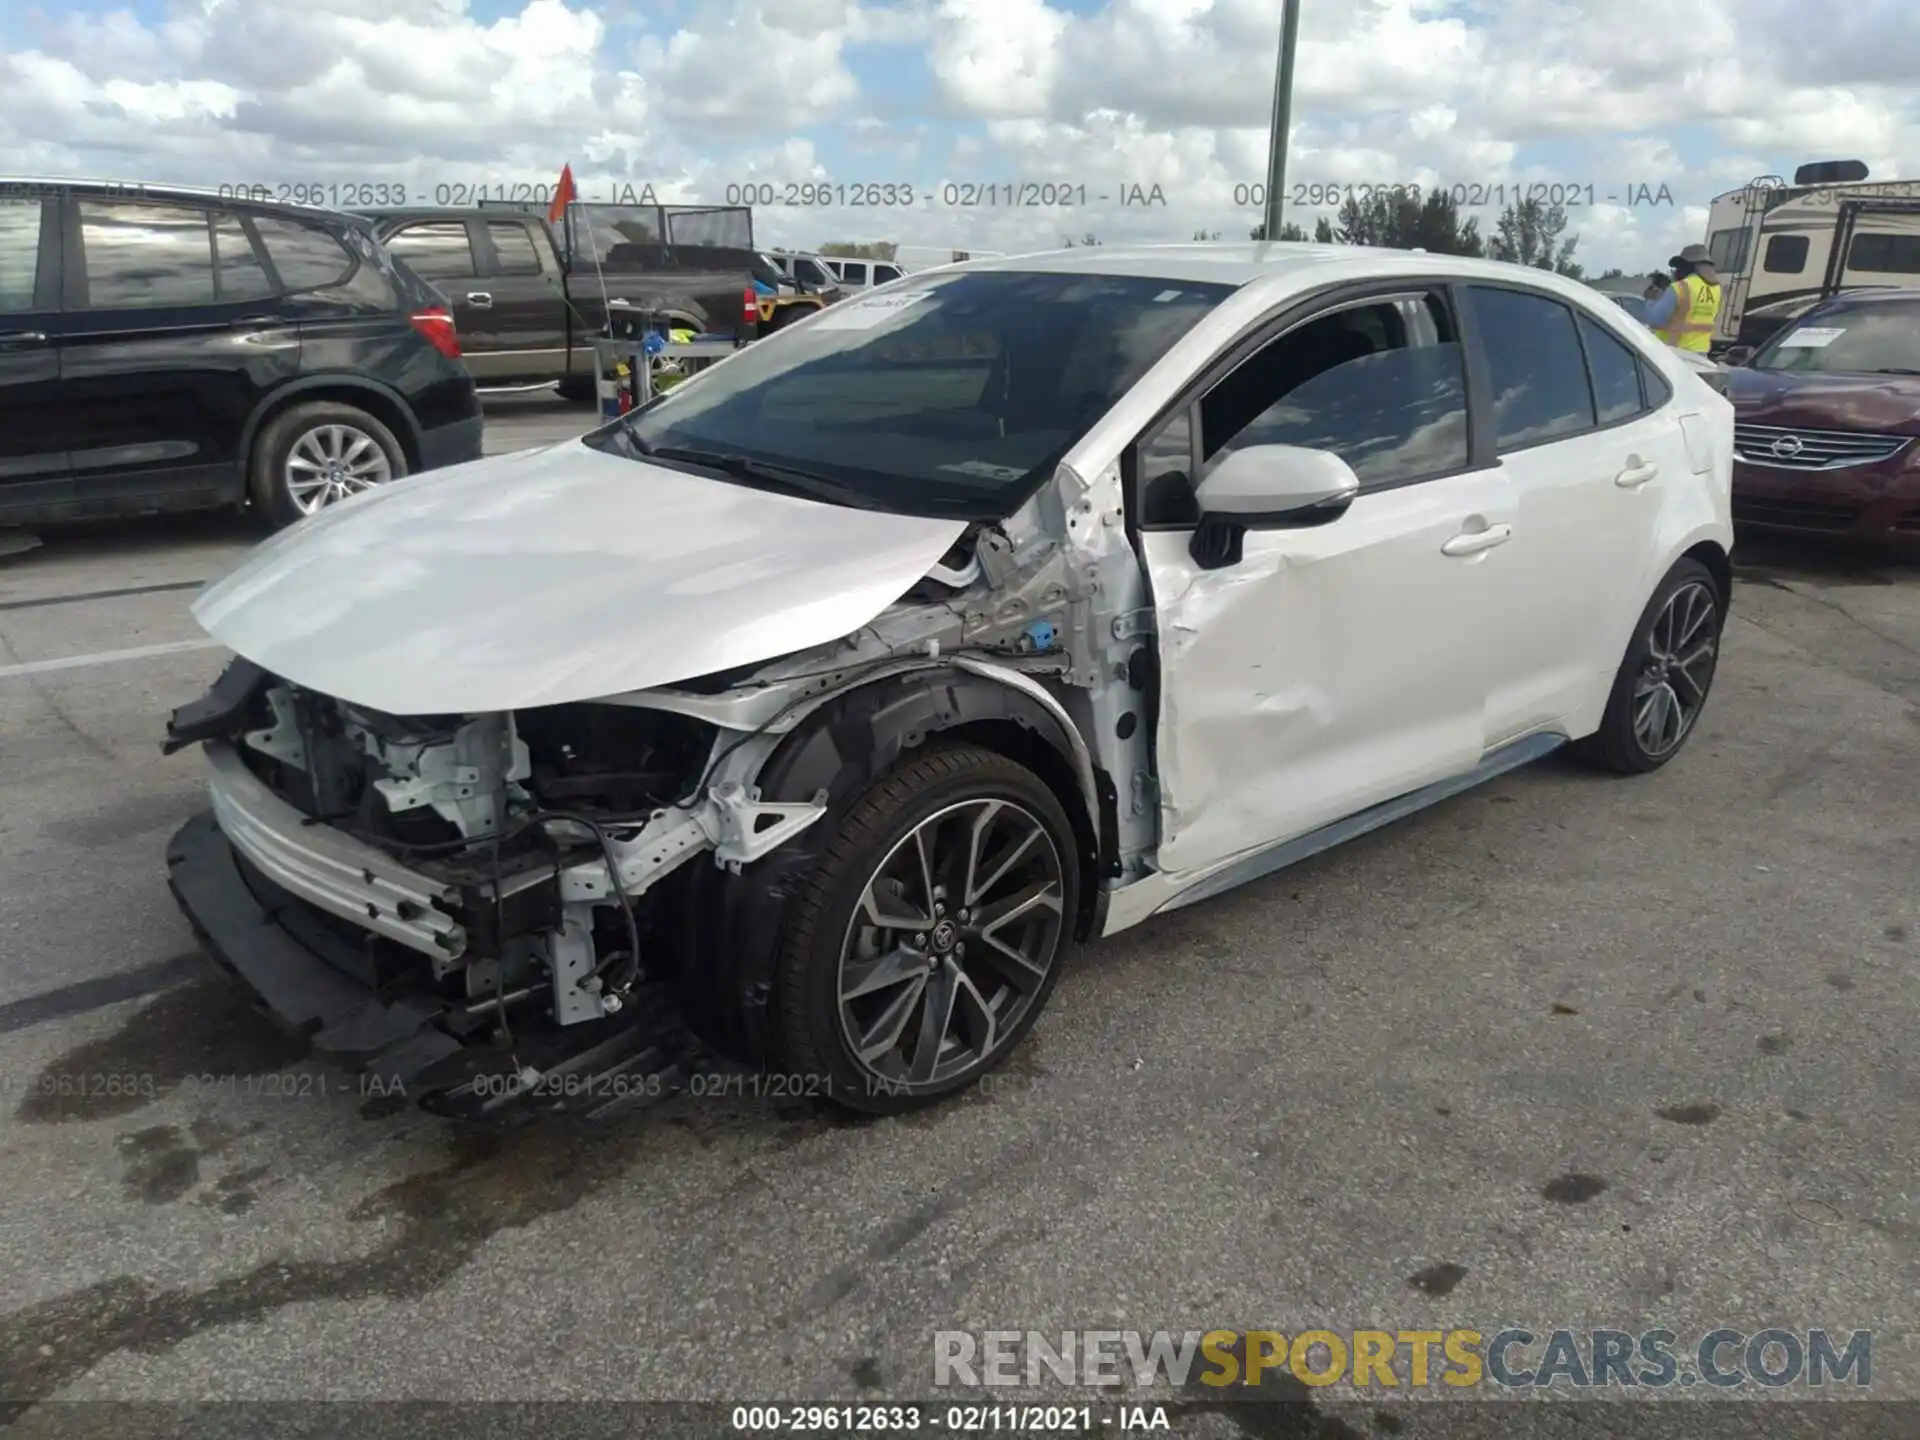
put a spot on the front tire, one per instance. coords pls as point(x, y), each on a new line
point(311, 456)
point(1662, 685)
point(927, 942)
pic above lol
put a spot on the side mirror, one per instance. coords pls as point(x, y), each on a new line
point(1738, 355)
point(1267, 487)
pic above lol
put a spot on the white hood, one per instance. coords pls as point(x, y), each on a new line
point(556, 575)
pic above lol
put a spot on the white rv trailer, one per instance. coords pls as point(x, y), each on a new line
point(1781, 247)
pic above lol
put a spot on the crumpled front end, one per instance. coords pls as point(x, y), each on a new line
point(479, 910)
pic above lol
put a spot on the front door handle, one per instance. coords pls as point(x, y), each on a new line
point(24, 337)
point(1473, 542)
point(480, 299)
point(1636, 474)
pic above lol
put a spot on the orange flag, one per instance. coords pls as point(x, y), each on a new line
point(564, 194)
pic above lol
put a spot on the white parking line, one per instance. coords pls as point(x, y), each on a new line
point(106, 657)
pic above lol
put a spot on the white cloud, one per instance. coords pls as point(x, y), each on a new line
point(1697, 94)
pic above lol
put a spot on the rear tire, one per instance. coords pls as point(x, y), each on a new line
point(578, 389)
point(889, 1017)
point(311, 456)
point(1662, 685)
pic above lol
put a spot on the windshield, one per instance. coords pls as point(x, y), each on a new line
point(1852, 339)
point(953, 396)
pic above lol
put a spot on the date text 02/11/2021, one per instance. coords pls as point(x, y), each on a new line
point(1469, 195)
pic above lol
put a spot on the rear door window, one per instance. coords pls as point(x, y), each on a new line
point(1615, 371)
point(146, 257)
point(238, 270)
point(1538, 370)
point(435, 250)
point(513, 248)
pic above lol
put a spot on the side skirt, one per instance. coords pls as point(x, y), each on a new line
point(1266, 861)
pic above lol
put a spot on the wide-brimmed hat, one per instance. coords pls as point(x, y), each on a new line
point(1692, 255)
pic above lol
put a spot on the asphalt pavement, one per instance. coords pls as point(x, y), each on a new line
point(1567, 1051)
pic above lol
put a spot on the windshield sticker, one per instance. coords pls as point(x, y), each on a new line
point(985, 470)
point(867, 313)
point(1813, 337)
point(1166, 295)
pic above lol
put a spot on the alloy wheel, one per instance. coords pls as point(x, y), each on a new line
point(953, 939)
point(331, 462)
point(1683, 645)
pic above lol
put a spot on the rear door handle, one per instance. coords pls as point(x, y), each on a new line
point(23, 337)
point(1473, 542)
point(480, 299)
point(1636, 474)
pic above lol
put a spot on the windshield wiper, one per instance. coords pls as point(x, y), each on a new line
point(793, 479)
point(1894, 370)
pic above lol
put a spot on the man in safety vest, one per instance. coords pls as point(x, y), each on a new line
point(1684, 315)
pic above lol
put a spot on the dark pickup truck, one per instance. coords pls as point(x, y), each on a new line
point(528, 298)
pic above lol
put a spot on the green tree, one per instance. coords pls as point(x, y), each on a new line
point(848, 250)
point(1529, 233)
point(1439, 230)
point(1398, 221)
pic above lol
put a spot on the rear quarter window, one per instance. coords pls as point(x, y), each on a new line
point(313, 261)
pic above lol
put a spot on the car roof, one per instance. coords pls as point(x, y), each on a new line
point(1241, 263)
point(145, 190)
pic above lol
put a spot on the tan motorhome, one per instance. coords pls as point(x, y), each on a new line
point(1781, 247)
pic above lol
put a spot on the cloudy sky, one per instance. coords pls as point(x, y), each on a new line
point(1107, 98)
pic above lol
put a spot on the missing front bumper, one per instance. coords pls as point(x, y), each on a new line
point(446, 1058)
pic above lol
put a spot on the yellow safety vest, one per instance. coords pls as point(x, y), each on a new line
point(1696, 306)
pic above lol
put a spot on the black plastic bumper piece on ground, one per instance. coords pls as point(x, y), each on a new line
point(409, 1045)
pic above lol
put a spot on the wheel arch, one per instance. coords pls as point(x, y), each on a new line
point(1719, 564)
point(731, 922)
point(380, 401)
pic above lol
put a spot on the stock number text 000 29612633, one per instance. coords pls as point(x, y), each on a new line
point(366, 194)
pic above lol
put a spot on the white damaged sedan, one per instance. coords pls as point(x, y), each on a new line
point(805, 717)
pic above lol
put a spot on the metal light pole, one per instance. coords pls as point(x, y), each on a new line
point(1282, 117)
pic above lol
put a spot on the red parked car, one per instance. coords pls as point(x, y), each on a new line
point(1827, 423)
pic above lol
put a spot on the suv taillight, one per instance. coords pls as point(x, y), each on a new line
point(436, 323)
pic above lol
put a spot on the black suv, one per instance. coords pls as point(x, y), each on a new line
point(168, 349)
